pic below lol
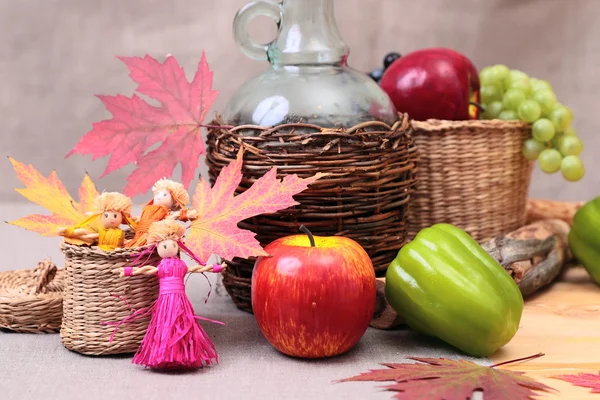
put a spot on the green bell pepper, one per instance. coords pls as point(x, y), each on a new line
point(445, 285)
point(584, 237)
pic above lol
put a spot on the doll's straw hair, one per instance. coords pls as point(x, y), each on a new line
point(180, 195)
point(112, 201)
point(166, 229)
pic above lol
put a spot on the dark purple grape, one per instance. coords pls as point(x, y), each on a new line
point(376, 74)
point(390, 58)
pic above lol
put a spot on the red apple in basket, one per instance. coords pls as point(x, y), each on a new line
point(313, 297)
point(433, 83)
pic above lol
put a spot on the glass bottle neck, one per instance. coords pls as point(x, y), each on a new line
point(308, 35)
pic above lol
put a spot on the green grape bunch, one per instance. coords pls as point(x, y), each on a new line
point(510, 94)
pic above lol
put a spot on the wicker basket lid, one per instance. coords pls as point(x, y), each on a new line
point(31, 299)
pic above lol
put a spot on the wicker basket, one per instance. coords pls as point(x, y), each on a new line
point(31, 299)
point(94, 293)
point(472, 175)
point(365, 197)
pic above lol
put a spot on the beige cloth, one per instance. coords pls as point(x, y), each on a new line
point(39, 367)
point(56, 55)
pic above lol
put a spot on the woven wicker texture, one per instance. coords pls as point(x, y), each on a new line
point(92, 285)
point(31, 299)
point(365, 197)
point(472, 175)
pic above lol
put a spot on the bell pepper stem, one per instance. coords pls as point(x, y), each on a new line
point(309, 234)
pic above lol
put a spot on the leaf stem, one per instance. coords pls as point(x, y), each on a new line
point(216, 126)
point(479, 106)
point(538, 355)
point(309, 233)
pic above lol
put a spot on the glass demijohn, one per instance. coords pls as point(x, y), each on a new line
point(309, 80)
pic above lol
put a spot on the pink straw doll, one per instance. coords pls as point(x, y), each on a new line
point(111, 210)
point(168, 196)
point(174, 338)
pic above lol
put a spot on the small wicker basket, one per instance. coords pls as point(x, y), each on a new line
point(365, 196)
point(472, 175)
point(94, 294)
point(31, 299)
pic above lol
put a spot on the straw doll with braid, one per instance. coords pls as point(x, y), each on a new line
point(169, 196)
point(111, 210)
point(174, 338)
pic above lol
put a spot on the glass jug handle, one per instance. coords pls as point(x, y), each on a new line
point(241, 23)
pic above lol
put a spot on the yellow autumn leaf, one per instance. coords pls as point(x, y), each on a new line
point(51, 194)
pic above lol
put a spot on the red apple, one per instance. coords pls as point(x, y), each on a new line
point(313, 299)
point(433, 83)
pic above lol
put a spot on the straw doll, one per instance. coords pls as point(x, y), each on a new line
point(174, 338)
point(168, 196)
point(111, 210)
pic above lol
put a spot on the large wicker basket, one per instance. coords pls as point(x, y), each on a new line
point(472, 175)
point(365, 197)
point(31, 299)
point(94, 293)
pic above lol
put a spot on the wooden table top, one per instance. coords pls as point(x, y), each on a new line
point(563, 322)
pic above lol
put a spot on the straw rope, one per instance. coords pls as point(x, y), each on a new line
point(152, 270)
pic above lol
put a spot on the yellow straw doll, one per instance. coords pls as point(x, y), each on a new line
point(168, 196)
point(111, 209)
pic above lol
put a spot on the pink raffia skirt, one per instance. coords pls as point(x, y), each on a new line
point(174, 338)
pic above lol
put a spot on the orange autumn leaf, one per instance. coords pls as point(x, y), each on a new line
point(216, 230)
point(51, 194)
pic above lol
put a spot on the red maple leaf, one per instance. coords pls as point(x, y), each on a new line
point(439, 378)
point(136, 126)
point(215, 231)
point(584, 380)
